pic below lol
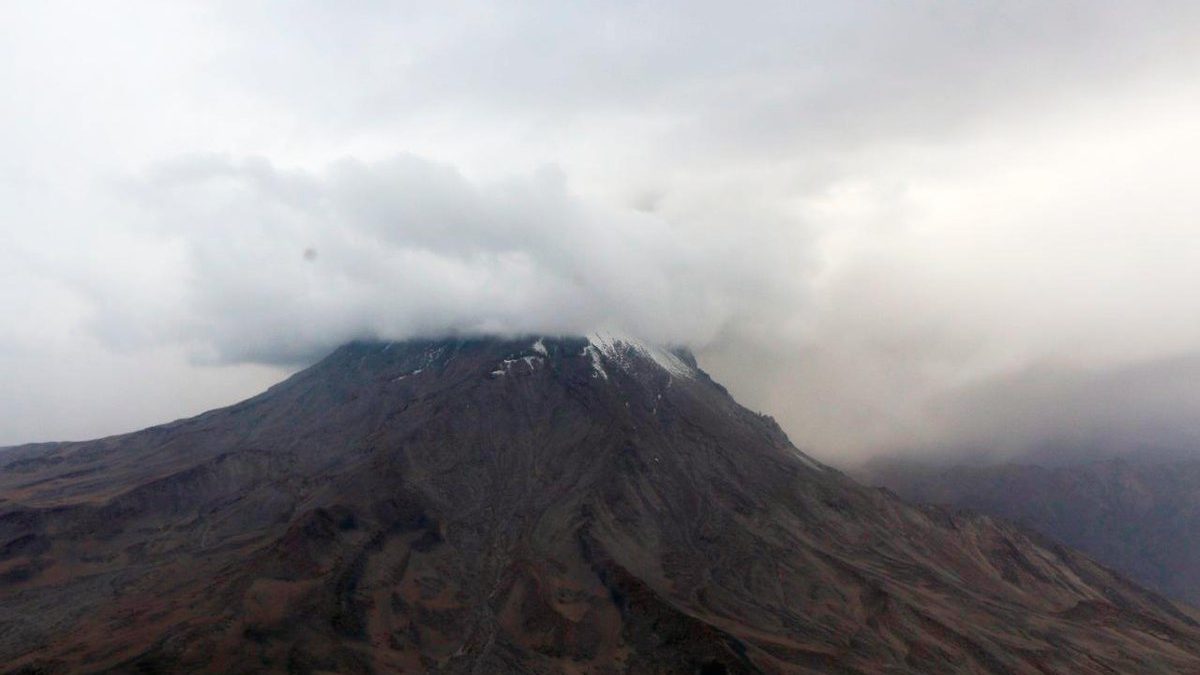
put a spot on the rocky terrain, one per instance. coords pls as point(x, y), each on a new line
point(1139, 516)
point(528, 506)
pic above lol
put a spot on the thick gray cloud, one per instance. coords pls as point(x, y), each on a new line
point(892, 226)
point(278, 266)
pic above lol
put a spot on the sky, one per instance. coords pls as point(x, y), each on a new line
point(896, 227)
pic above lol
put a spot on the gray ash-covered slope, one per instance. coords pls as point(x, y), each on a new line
point(484, 506)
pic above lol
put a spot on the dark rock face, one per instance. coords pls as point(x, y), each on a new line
point(558, 506)
point(1141, 517)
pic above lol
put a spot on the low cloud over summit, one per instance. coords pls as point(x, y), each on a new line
point(278, 265)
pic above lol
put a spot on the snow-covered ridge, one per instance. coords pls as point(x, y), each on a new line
point(615, 348)
point(597, 367)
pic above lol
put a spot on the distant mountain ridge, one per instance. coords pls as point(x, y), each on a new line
point(1141, 517)
point(533, 505)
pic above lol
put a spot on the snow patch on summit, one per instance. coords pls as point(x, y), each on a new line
point(597, 366)
point(616, 348)
point(506, 365)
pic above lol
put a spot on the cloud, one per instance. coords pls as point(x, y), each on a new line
point(873, 221)
point(278, 266)
point(1065, 246)
point(1059, 411)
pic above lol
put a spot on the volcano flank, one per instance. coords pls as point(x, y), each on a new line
point(536, 505)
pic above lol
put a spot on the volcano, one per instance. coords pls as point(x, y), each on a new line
point(567, 505)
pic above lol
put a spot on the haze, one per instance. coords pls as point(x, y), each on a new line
point(895, 227)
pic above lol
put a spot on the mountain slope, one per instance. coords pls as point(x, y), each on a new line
point(568, 505)
point(1139, 517)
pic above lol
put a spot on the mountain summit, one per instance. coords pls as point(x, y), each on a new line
point(567, 505)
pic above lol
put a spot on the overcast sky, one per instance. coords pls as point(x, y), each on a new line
point(893, 226)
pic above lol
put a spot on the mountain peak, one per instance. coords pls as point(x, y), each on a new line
point(620, 350)
point(599, 354)
point(533, 504)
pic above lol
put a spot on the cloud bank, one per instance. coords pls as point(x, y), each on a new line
point(914, 228)
point(280, 266)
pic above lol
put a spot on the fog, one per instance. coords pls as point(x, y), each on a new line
point(896, 228)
